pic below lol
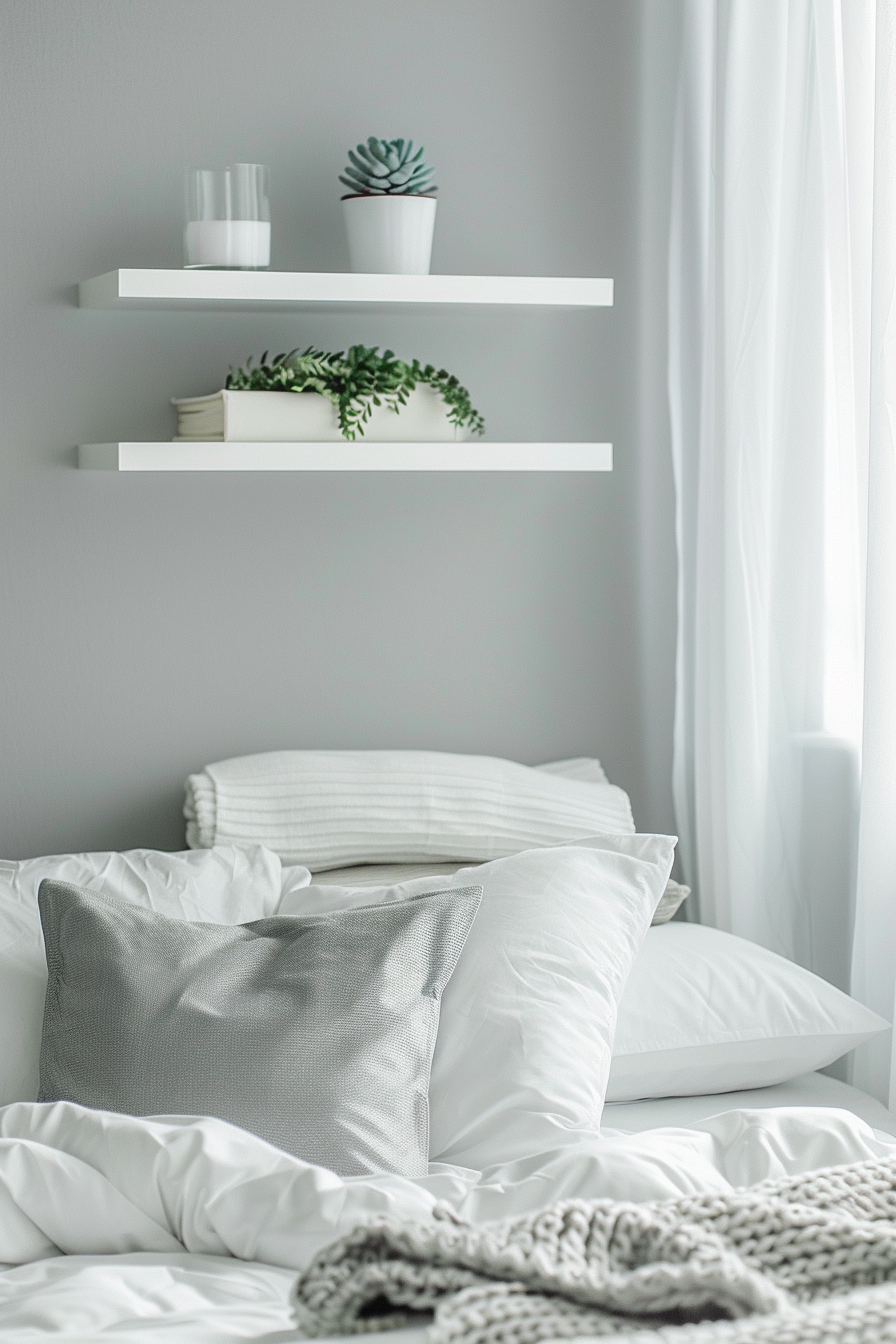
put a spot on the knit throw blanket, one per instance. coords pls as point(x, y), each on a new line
point(810, 1258)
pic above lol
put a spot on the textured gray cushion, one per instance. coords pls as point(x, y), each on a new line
point(315, 1033)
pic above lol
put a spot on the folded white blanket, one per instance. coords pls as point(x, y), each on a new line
point(329, 809)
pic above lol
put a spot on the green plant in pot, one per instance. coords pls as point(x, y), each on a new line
point(357, 380)
point(390, 208)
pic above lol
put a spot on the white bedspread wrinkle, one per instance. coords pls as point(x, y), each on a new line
point(81, 1183)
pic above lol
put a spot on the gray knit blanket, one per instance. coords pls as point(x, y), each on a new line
point(806, 1260)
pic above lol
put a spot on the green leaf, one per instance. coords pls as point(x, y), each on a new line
point(376, 149)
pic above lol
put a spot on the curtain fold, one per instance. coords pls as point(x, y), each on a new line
point(780, 312)
point(874, 954)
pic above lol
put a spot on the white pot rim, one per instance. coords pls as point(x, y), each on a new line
point(388, 195)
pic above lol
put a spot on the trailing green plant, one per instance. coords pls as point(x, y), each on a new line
point(356, 380)
point(387, 168)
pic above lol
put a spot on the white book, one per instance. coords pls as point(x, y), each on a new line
point(307, 417)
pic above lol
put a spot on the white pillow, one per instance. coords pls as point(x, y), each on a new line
point(388, 874)
point(330, 809)
point(705, 1012)
point(527, 1021)
point(586, 768)
point(219, 886)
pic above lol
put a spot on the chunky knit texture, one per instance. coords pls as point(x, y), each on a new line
point(805, 1260)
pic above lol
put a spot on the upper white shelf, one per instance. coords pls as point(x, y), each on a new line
point(324, 290)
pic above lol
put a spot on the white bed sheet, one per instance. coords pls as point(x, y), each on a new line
point(811, 1089)
point(192, 1232)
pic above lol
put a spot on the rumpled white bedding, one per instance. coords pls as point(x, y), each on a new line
point(191, 1231)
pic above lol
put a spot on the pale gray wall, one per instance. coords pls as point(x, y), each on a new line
point(152, 624)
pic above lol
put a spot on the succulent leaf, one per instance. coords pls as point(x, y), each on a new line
point(387, 167)
point(370, 169)
point(378, 149)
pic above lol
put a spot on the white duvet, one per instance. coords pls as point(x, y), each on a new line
point(192, 1231)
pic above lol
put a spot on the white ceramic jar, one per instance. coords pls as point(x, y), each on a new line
point(390, 234)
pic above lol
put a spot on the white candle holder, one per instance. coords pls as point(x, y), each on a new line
point(228, 218)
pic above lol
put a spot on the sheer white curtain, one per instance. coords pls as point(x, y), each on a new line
point(781, 385)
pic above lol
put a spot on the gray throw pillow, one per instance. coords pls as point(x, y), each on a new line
point(315, 1033)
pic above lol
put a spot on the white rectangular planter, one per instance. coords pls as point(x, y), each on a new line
point(307, 417)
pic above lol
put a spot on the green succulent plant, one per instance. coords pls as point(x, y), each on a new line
point(356, 380)
point(388, 168)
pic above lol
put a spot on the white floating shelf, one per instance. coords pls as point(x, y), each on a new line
point(346, 456)
point(321, 290)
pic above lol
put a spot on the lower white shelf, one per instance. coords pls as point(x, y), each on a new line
point(346, 456)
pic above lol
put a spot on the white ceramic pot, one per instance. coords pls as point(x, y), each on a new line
point(390, 235)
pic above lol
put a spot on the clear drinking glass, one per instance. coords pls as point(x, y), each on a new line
point(228, 218)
